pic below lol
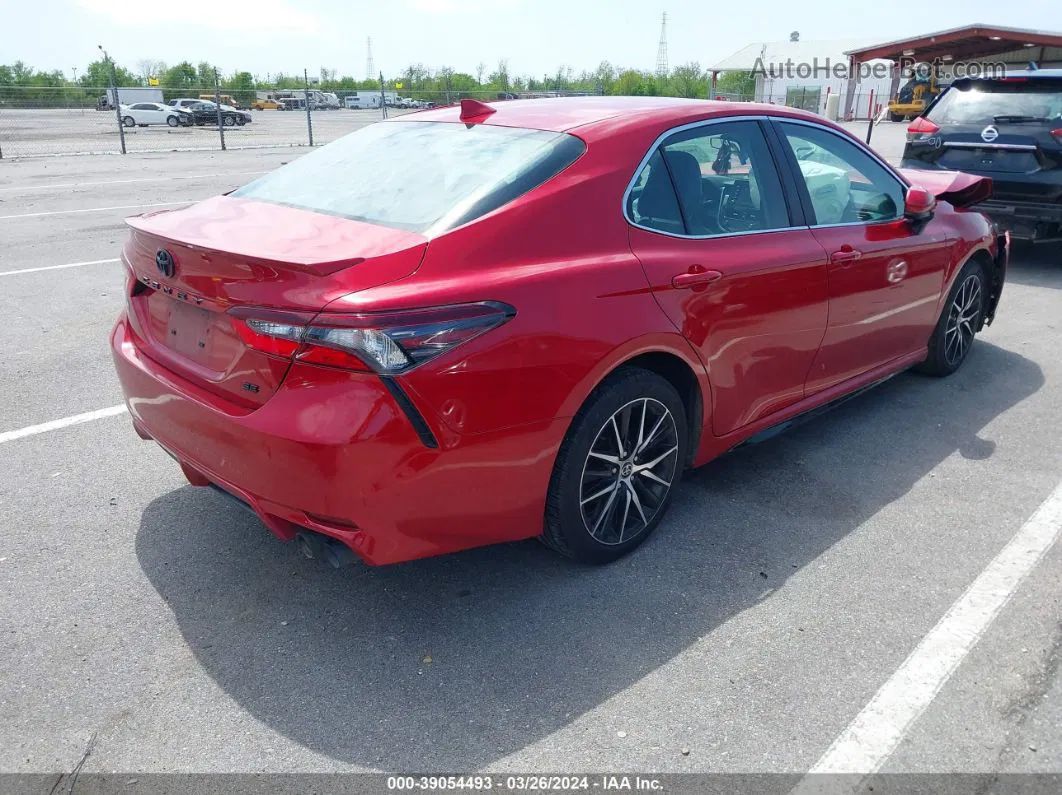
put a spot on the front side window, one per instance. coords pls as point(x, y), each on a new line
point(715, 179)
point(420, 176)
point(845, 184)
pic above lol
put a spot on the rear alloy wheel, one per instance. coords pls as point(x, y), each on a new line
point(229, 121)
point(959, 322)
point(615, 472)
point(129, 121)
point(172, 121)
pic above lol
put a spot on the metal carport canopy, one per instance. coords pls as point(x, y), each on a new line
point(968, 43)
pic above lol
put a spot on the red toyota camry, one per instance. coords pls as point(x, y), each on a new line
point(496, 322)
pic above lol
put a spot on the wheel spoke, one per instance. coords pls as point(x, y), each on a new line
point(652, 434)
point(610, 458)
point(641, 426)
point(619, 442)
point(604, 511)
point(611, 487)
point(637, 502)
point(648, 473)
point(626, 510)
point(655, 461)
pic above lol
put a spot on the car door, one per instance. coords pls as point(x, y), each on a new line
point(145, 113)
point(731, 263)
point(885, 275)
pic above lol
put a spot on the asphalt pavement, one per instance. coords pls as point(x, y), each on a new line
point(149, 626)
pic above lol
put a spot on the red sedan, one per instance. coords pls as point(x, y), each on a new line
point(489, 323)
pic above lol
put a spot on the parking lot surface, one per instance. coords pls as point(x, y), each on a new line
point(151, 626)
point(66, 131)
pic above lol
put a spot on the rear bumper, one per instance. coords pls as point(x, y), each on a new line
point(1024, 219)
point(333, 451)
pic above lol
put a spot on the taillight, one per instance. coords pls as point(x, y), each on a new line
point(1057, 134)
point(920, 128)
point(384, 342)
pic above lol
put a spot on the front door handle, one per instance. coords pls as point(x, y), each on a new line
point(695, 276)
point(846, 254)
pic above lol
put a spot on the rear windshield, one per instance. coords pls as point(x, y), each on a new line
point(420, 176)
point(990, 102)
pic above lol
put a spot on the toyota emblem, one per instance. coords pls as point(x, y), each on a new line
point(164, 262)
point(989, 134)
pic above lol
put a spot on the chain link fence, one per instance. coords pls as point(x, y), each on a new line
point(38, 121)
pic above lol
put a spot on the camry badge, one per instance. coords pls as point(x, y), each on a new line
point(989, 134)
point(165, 263)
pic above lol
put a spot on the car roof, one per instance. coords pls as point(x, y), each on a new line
point(593, 114)
point(1030, 74)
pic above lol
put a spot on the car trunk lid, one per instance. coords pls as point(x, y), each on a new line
point(955, 187)
point(191, 267)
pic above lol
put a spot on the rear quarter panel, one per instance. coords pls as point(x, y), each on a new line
point(560, 256)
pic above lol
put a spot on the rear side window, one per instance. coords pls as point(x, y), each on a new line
point(652, 202)
point(986, 102)
point(716, 179)
point(420, 176)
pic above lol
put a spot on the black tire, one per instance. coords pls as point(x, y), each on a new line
point(172, 121)
point(959, 321)
point(589, 528)
point(128, 121)
point(896, 117)
point(228, 121)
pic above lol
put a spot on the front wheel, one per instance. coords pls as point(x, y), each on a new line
point(615, 472)
point(172, 121)
point(959, 322)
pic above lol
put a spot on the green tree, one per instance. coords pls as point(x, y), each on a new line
point(688, 80)
point(743, 83)
point(98, 75)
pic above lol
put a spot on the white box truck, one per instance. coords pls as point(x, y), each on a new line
point(127, 96)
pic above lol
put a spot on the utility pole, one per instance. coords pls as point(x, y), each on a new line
point(114, 96)
point(383, 98)
point(217, 107)
point(309, 119)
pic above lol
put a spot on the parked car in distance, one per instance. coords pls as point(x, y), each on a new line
point(267, 104)
point(405, 366)
point(206, 113)
point(242, 117)
point(144, 114)
point(225, 100)
point(1009, 129)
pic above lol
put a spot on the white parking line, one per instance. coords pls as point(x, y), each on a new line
point(58, 267)
point(97, 209)
point(879, 728)
point(129, 181)
point(54, 425)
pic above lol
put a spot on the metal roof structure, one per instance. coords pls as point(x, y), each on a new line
point(968, 43)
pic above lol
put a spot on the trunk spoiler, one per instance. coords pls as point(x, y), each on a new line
point(954, 187)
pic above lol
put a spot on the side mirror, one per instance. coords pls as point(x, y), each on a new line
point(919, 206)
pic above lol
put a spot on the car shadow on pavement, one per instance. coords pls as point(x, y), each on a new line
point(521, 642)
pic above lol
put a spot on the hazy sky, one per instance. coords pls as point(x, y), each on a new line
point(267, 36)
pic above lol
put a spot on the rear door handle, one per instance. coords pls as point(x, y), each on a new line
point(695, 276)
point(847, 254)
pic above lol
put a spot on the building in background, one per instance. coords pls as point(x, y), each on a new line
point(866, 73)
point(802, 73)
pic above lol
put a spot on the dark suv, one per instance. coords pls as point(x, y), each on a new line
point(1007, 128)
